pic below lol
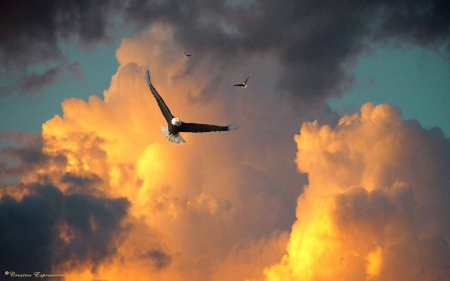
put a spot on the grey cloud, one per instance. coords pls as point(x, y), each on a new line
point(27, 158)
point(208, 92)
point(33, 83)
point(158, 258)
point(30, 30)
point(431, 253)
point(96, 221)
point(49, 228)
point(362, 213)
point(31, 33)
point(30, 238)
point(314, 41)
point(84, 184)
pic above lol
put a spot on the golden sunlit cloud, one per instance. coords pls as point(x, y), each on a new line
point(374, 181)
point(374, 262)
point(195, 209)
point(220, 207)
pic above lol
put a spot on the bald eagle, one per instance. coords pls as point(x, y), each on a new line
point(175, 126)
point(243, 85)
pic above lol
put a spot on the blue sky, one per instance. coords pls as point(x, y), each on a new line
point(415, 79)
point(28, 113)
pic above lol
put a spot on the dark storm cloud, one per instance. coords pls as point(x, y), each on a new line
point(97, 223)
point(315, 41)
point(47, 228)
point(423, 21)
point(30, 30)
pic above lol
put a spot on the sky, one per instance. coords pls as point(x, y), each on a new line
point(338, 170)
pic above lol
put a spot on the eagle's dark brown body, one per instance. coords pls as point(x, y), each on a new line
point(175, 126)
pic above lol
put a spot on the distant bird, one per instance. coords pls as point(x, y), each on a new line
point(175, 126)
point(243, 85)
point(187, 55)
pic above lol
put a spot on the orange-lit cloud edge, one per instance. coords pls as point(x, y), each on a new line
point(374, 207)
point(181, 208)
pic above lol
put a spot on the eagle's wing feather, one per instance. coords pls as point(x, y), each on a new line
point(162, 105)
point(246, 80)
point(205, 128)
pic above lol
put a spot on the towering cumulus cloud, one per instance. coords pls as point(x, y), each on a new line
point(100, 194)
point(123, 203)
point(376, 207)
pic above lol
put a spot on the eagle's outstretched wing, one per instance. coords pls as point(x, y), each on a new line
point(246, 79)
point(162, 105)
point(239, 85)
point(206, 128)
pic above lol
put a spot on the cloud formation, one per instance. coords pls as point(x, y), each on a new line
point(315, 42)
point(191, 217)
point(47, 229)
point(31, 30)
point(376, 205)
point(35, 83)
point(221, 206)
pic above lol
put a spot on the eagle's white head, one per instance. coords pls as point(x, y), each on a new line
point(176, 122)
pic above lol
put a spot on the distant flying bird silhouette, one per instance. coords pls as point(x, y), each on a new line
point(187, 55)
point(174, 124)
point(243, 85)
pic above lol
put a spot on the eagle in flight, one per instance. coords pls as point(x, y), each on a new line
point(243, 85)
point(175, 126)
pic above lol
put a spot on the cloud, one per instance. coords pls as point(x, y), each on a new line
point(375, 206)
point(191, 216)
point(81, 183)
point(64, 215)
point(33, 83)
point(47, 229)
point(31, 31)
point(221, 206)
point(158, 258)
point(315, 43)
point(26, 156)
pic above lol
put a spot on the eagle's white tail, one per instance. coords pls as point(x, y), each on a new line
point(233, 126)
point(172, 138)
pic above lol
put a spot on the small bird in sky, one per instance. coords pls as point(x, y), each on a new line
point(174, 124)
point(243, 85)
point(187, 55)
